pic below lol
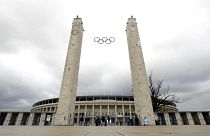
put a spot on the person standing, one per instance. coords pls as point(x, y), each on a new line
point(136, 120)
point(103, 121)
point(146, 122)
point(86, 121)
point(131, 122)
point(157, 121)
point(81, 120)
point(108, 120)
point(98, 121)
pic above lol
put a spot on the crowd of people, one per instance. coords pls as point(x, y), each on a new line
point(84, 121)
point(106, 121)
point(103, 121)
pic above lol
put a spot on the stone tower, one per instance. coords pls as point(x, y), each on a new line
point(67, 98)
point(142, 99)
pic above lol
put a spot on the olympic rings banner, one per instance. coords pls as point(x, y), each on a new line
point(104, 40)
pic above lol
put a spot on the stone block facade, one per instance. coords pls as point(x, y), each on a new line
point(119, 120)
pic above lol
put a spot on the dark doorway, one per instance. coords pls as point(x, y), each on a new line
point(75, 120)
point(13, 119)
point(206, 117)
point(172, 118)
point(113, 121)
point(48, 119)
point(119, 121)
point(196, 118)
point(25, 118)
point(162, 118)
point(183, 116)
point(127, 119)
point(36, 119)
point(2, 117)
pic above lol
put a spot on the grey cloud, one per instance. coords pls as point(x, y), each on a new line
point(182, 61)
point(104, 80)
point(198, 101)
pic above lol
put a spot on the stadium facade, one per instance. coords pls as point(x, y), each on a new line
point(120, 109)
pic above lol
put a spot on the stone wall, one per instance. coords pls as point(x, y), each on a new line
point(47, 118)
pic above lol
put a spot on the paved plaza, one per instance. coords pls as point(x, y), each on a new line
point(105, 131)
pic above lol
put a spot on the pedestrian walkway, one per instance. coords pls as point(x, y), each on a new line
point(105, 131)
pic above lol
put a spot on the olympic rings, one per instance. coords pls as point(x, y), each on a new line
point(104, 40)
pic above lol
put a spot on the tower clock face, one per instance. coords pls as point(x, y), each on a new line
point(75, 32)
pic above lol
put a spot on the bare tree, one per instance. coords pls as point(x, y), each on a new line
point(160, 96)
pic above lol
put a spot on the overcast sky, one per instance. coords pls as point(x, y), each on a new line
point(34, 36)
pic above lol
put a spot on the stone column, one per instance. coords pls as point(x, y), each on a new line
point(31, 118)
point(200, 116)
point(167, 119)
point(178, 118)
point(66, 104)
point(85, 110)
point(123, 110)
point(130, 111)
point(55, 109)
point(100, 111)
point(78, 112)
point(19, 119)
point(140, 85)
point(42, 119)
point(108, 109)
point(93, 121)
point(115, 114)
point(190, 119)
point(7, 119)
